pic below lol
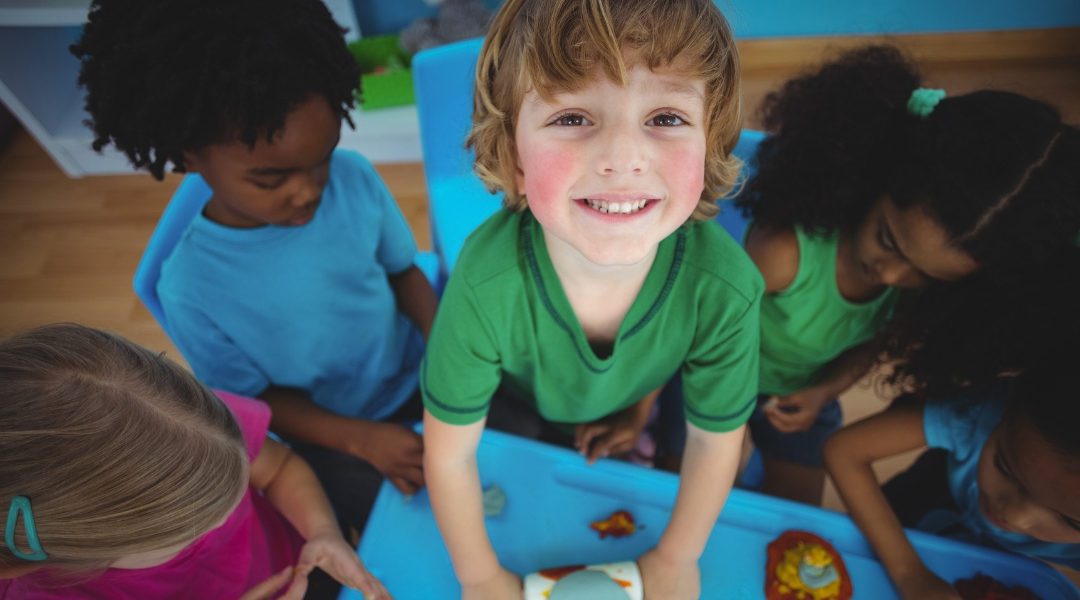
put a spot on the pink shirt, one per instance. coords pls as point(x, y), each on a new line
point(253, 544)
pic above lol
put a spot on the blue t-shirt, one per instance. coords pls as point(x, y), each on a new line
point(961, 426)
point(306, 307)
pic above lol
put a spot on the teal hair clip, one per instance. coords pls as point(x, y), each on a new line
point(923, 100)
point(22, 504)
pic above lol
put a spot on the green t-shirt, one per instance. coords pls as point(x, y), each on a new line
point(504, 318)
point(808, 324)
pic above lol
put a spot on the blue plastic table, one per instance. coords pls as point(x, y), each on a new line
point(553, 495)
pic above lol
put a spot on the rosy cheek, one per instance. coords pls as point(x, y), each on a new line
point(684, 171)
point(545, 175)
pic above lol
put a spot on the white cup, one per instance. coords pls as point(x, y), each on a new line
point(586, 582)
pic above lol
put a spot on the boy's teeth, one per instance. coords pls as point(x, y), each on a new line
point(616, 207)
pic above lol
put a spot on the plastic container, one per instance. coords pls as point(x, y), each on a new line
point(552, 496)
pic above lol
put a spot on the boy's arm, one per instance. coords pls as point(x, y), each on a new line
point(290, 485)
point(670, 570)
point(849, 454)
point(395, 451)
point(415, 298)
point(454, 487)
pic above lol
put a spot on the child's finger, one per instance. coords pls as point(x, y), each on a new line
point(588, 437)
point(268, 587)
point(349, 570)
point(789, 404)
point(414, 475)
point(599, 448)
point(297, 588)
point(781, 421)
point(579, 433)
point(373, 589)
point(613, 442)
point(403, 485)
point(622, 446)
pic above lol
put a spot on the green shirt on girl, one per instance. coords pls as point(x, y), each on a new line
point(808, 324)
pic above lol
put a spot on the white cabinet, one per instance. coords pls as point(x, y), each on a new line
point(38, 84)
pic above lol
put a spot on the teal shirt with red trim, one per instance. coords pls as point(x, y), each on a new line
point(505, 320)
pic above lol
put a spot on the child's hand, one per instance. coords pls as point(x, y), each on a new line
point(798, 411)
point(614, 434)
point(668, 579)
point(331, 553)
point(925, 585)
point(504, 585)
point(397, 452)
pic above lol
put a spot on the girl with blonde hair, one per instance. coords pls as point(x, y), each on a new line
point(123, 477)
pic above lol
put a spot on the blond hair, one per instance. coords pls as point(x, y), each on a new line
point(551, 45)
point(120, 450)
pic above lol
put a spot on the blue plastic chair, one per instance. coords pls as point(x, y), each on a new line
point(457, 200)
point(186, 203)
point(443, 79)
point(730, 217)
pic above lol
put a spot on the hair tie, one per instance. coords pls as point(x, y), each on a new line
point(22, 504)
point(923, 100)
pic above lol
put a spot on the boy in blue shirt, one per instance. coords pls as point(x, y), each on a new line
point(296, 283)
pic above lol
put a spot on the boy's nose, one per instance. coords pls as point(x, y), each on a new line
point(309, 191)
point(622, 151)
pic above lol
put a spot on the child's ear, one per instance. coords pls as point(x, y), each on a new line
point(18, 570)
point(192, 162)
point(519, 180)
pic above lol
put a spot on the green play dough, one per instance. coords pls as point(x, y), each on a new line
point(587, 585)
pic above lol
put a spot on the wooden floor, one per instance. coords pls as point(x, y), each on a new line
point(69, 247)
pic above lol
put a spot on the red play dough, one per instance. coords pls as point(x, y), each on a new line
point(790, 539)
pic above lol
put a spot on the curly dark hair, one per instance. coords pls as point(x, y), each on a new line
point(953, 335)
point(1046, 398)
point(825, 161)
point(998, 171)
point(1001, 174)
point(168, 76)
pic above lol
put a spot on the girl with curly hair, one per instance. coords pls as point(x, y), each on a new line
point(870, 184)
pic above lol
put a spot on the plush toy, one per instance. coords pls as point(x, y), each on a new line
point(455, 20)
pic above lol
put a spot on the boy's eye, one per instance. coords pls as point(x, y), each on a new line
point(570, 120)
point(267, 185)
point(667, 120)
